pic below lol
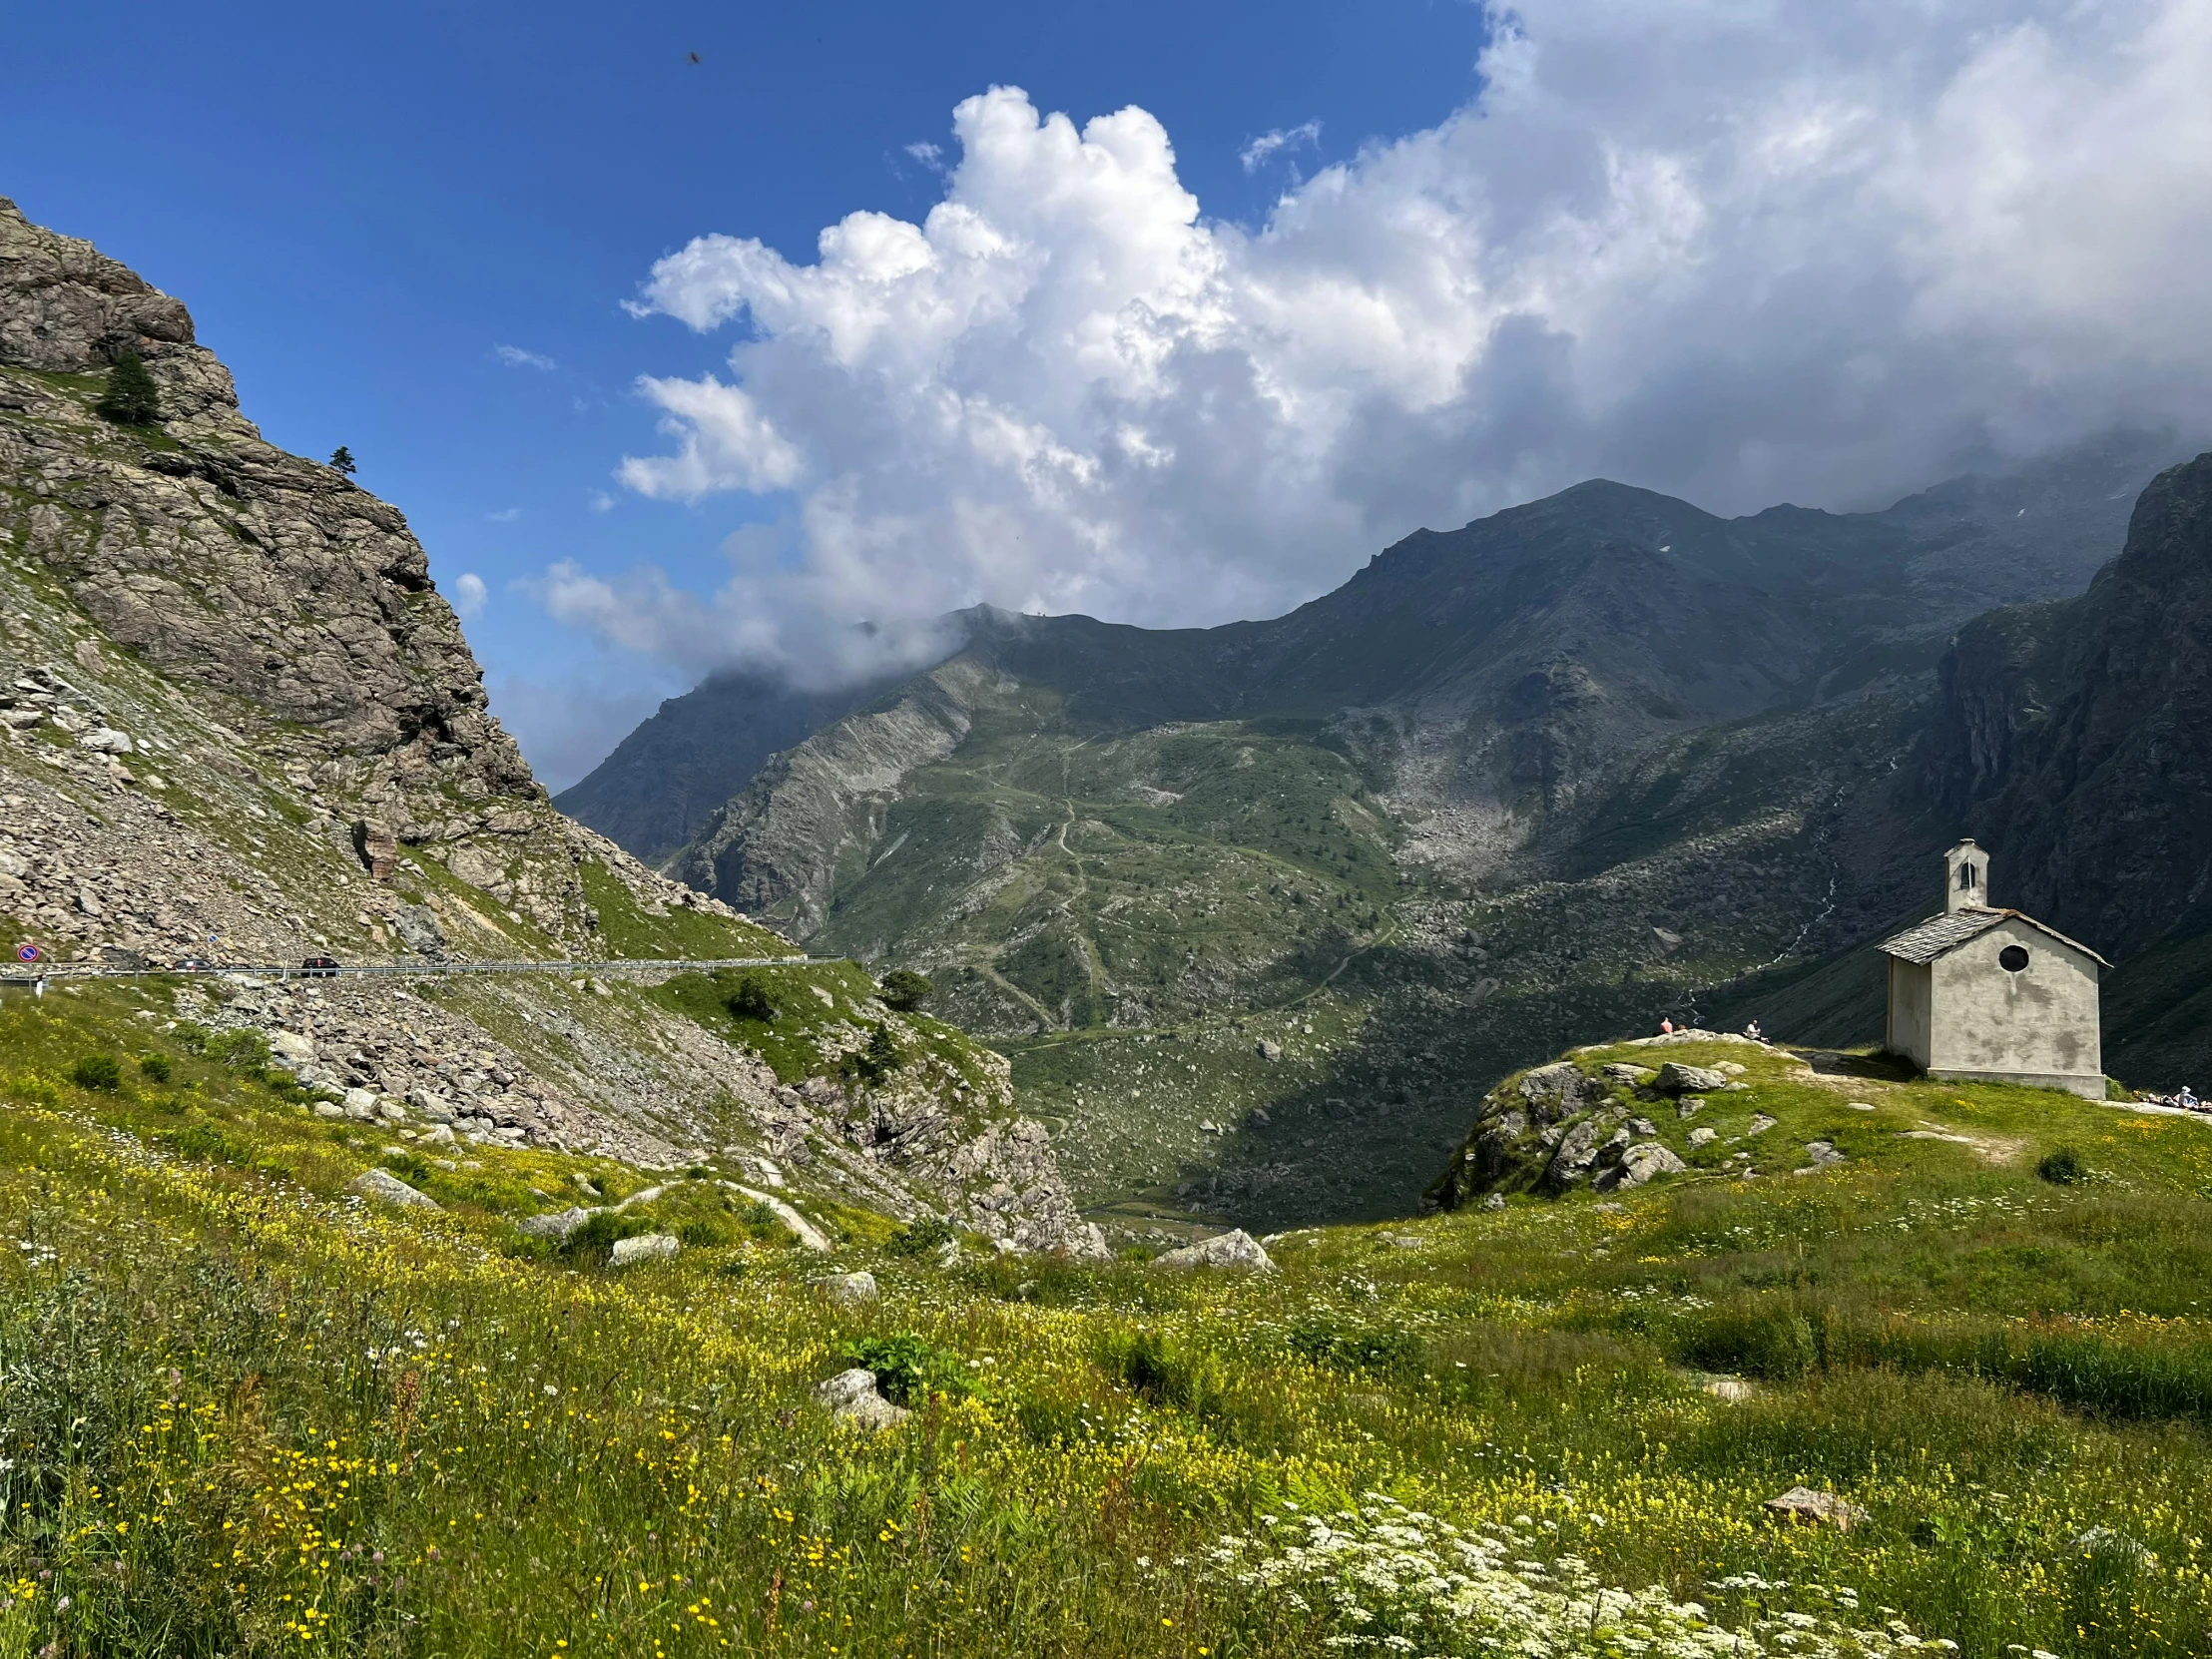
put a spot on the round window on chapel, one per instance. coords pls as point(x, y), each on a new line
point(2011, 958)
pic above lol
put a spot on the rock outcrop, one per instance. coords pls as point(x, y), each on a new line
point(239, 724)
point(1235, 1251)
point(853, 1398)
point(1555, 1127)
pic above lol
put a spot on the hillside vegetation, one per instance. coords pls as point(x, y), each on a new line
point(245, 1411)
point(1585, 762)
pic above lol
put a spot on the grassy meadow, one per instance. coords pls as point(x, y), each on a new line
point(244, 1412)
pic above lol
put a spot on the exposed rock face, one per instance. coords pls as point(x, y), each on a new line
point(1806, 1505)
point(667, 779)
point(225, 561)
point(779, 846)
point(2075, 742)
point(556, 1225)
point(1635, 1164)
point(646, 1247)
point(238, 723)
point(1553, 1127)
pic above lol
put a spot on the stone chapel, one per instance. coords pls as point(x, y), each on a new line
point(1987, 995)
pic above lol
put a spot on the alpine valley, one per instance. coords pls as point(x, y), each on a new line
point(1260, 912)
point(437, 1228)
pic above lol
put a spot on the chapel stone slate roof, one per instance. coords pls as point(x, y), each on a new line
point(1924, 941)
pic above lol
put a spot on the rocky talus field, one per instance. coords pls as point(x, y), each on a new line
point(242, 726)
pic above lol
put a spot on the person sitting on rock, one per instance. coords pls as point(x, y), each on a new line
point(1666, 1027)
point(1754, 1033)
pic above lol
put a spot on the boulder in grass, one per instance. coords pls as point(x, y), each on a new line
point(554, 1224)
point(646, 1247)
point(1677, 1078)
point(387, 1188)
point(853, 1398)
point(1824, 1156)
point(1235, 1248)
point(1637, 1164)
point(847, 1287)
point(1803, 1506)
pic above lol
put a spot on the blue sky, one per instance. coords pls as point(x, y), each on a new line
point(1122, 360)
point(361, 204)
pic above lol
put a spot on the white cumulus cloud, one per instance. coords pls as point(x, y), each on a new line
point(469, 594)
point(1814, 251)
point(515, 357)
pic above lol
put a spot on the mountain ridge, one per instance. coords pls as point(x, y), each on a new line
point(1581, 763)
point(239, 722)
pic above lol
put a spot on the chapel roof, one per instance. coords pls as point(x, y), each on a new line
point(1924, 941)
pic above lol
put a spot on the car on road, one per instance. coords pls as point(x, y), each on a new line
point(319, 967)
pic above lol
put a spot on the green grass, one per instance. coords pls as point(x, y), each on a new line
point(822, 1017)
point(243, 1414)
point(1073, 891)
point(628, 930)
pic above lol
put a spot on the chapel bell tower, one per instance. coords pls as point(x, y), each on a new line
point(1966, 877)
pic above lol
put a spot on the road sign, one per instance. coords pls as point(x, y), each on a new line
point(26, 953)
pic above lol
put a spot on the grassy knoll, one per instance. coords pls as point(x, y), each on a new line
point(244, 1412)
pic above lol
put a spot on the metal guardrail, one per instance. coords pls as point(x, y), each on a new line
point(405, 970)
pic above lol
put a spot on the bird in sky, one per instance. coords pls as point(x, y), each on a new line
point(694, 56)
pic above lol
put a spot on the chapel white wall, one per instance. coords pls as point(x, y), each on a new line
point(2039, 1025)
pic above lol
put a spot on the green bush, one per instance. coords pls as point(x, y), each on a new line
point(1168, 1371)
point(765, 1224)
point(599, 1235)
point(1757, 1337)
point(205, 1144)
point(153, 1067)
point(908, 1369)
point(921, 1236)
point(1359, 1348)
point(750, 999)
point(879, 1060)
point(703, 1233)
point(2061, 1166)
point(410, 1167)
point(240, 1049)
point(98, 1071)
point(906, 990)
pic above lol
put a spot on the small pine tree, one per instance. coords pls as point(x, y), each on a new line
point(750, 999)
point(131, 398)
point(906, 990)
point(341, 461)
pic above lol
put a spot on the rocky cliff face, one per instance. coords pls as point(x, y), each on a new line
point(2075, 742)
point(242, 724)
